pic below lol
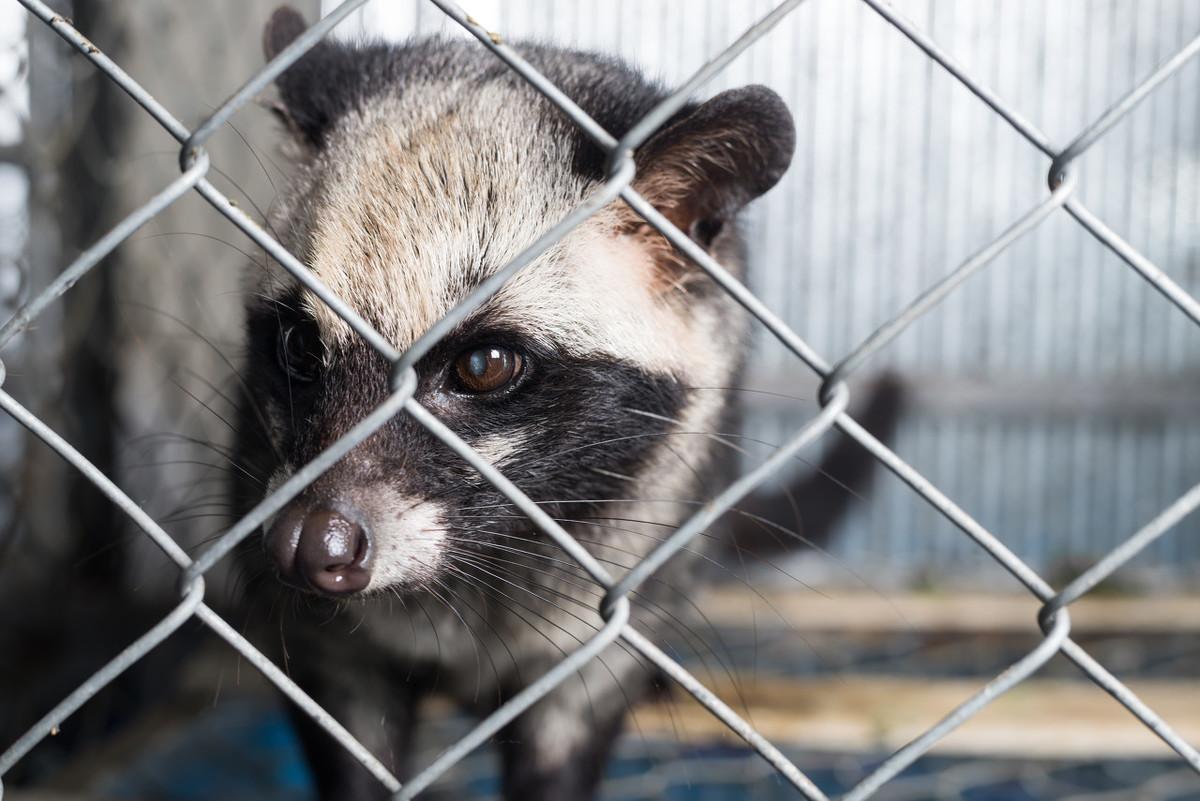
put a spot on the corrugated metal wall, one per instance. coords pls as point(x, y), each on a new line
point(1058, 397)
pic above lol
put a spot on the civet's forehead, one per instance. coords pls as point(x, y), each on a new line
point(415, 201)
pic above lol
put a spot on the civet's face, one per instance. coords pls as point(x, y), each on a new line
point(422, 170)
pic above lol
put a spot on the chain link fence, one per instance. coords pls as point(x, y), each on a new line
point(1054, 619)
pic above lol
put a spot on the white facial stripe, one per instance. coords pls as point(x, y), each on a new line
point(497, 448)
point(403, 219)
point(599, 297)
point(409, 536)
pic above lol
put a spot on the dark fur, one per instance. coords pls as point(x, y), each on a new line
point(578, 406)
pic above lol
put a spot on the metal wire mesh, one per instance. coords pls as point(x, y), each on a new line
point(1053, 620)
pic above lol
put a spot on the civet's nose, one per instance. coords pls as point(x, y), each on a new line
point(321, 550)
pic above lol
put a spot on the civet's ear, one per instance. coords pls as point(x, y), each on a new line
point(318, 88)
point(284, 27)
point(705, 166)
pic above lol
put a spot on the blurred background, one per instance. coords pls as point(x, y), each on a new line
point(1055, 397)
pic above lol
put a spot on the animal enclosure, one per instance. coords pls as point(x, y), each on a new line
point(1050, 207)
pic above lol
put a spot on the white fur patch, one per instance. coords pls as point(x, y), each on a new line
point(414, 201)
point(497, 448)
point(599, 296)
point(409, 536)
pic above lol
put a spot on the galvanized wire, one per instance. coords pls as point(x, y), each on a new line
point(1053, 619)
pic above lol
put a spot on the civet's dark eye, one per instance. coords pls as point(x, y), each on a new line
point(298, 352)
point(487, 369)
